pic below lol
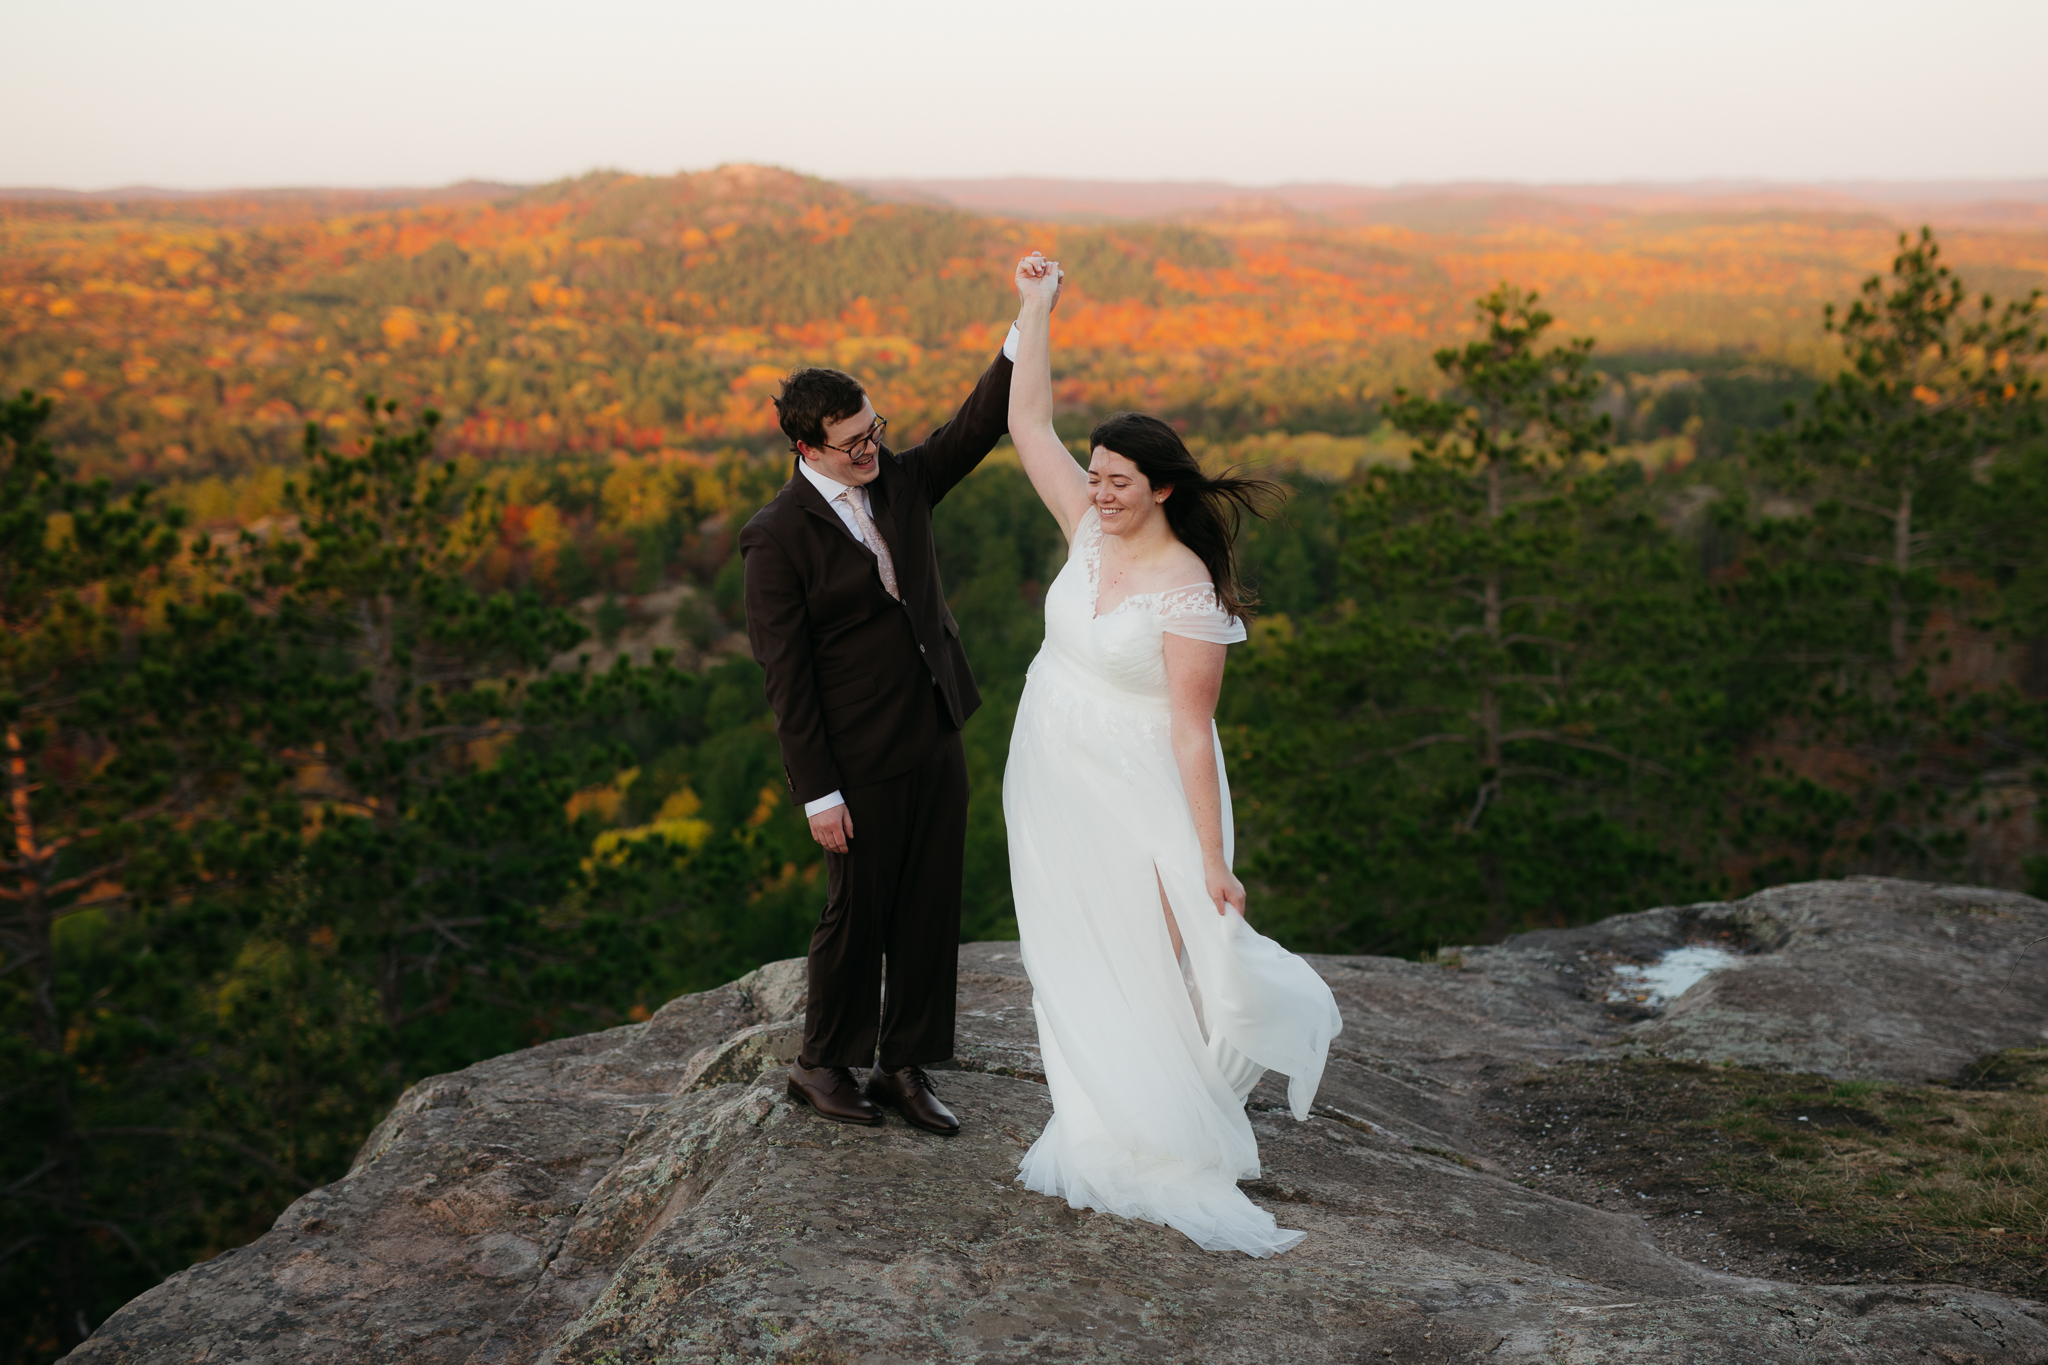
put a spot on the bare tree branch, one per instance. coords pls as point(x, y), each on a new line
point(84, 879)
point(134, 1247)
point(203, 1135)
point(1413, 744)
point(1889, 513)
point(23, 1245)
point(31, 1178)
point(1591, 746)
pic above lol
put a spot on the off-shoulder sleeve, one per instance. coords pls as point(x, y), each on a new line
point(1195, 613)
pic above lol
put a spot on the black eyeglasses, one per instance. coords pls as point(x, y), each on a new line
point(871, 437)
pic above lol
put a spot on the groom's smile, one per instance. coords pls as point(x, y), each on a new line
point(852, 446)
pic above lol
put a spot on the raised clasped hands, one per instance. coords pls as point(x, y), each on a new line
point(1039, 280)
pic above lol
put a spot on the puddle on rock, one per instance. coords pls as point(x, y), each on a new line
point(1670, 976)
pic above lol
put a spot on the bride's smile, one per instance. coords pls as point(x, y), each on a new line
point(1122, 495)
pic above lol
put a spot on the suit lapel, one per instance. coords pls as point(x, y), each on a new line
point(885, 503)
point(808, 498)
point(881, 494)
point(812, 501)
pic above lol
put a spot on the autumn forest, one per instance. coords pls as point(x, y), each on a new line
point(377, 698)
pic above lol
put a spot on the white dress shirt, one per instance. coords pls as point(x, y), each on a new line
point(830, 490)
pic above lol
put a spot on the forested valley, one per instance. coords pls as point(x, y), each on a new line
point(376, 701)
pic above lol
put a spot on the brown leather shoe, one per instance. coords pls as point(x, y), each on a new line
point(909, 1091)
point(832, 1091)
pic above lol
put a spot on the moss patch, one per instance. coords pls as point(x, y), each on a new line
point(1800, 1177)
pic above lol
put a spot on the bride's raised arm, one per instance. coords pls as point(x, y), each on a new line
point(1059, 481)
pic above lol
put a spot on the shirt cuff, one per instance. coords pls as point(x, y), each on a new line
point(1010, 344)
point(823, 803)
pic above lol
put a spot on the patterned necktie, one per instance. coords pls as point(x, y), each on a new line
point(873, 540)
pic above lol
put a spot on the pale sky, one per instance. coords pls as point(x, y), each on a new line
point(219, 93)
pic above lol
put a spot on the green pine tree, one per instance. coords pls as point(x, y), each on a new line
point(1469, 743)
point(1902, 475)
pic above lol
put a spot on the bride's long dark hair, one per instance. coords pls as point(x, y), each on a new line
point(1205, 514)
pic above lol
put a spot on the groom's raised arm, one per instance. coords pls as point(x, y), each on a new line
point(778, 626)
point(950, 454)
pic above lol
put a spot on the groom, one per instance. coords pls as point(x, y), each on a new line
point(870, 688)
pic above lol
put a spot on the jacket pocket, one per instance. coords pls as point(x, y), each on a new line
point(846, 692)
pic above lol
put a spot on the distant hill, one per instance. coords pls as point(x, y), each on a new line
point(376, 198)
point(257, 205)
point(1972, 203)
point(1979, 203)
point(196, 334)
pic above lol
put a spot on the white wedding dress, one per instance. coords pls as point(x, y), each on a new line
point(1149, 1060)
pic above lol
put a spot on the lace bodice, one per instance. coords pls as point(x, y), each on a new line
point(1122, 647)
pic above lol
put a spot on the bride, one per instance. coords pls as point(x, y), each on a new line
point(1158, 1007)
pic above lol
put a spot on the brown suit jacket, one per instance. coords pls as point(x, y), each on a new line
point(851, 671)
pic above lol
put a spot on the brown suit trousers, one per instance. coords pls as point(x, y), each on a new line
point(893, 896)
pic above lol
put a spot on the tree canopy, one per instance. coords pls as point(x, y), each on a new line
point(398, 749)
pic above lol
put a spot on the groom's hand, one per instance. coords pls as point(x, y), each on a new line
point(833, 828)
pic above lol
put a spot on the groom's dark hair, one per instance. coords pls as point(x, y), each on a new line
point(812, 397)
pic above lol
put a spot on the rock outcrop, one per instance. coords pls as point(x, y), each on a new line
point(650, 1194)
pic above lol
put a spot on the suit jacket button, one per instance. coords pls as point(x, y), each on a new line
point(920, 649)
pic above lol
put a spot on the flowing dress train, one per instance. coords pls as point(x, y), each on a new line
point(1149, 1059)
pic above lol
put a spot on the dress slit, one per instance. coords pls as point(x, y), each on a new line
point(1177, 941)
